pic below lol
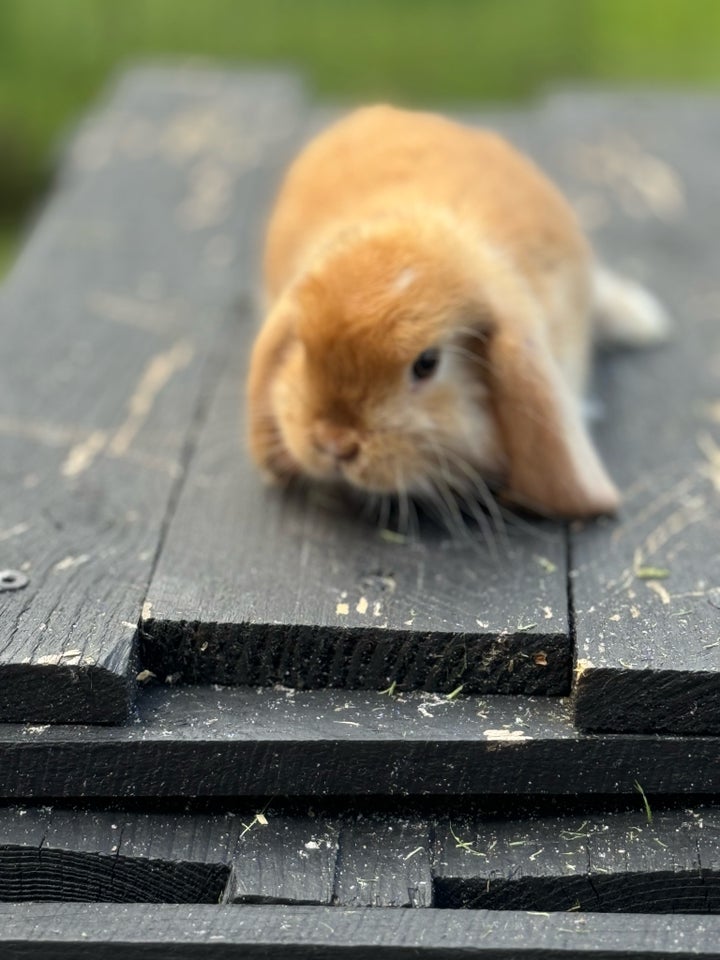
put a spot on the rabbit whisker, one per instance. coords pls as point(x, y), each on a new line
point(451, 496)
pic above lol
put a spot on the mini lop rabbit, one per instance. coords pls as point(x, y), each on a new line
point(429, 325)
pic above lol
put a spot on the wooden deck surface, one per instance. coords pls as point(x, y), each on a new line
point(134, 501)
point(111, 326)
point(173, 633)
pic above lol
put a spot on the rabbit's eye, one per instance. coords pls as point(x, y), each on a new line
point(426, 364)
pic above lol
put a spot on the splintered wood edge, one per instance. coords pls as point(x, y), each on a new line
point(532, 664)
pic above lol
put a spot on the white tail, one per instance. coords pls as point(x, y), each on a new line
point(625, 313)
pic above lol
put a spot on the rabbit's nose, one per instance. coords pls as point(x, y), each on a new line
point(341, 443)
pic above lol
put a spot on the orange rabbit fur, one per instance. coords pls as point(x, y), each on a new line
point(429, 320)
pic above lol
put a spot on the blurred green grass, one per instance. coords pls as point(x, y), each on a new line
point(56, 54)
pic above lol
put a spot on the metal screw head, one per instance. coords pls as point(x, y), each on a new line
point(12, 580)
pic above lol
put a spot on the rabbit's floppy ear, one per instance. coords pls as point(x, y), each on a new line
point(269, 350)
point(553, 467)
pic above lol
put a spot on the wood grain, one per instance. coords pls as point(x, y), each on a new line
point(595, 860)
point(111, 325)
point(197, 742)
point(61, 854)
point(89, 856)
point(613, 862)
point(107, 932)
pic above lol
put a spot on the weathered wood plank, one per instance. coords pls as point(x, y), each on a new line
point(608, 861)
point(384, 862)
point(111, 329)
point(646, 588)
point(286, 860)
point(195, 742)
point(87, 856)
point(615, 863)
point(302, 591)
point(39, 875)
point(106, 932)
point(84, 855)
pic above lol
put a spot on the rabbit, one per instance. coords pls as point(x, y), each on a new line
point(429, 326)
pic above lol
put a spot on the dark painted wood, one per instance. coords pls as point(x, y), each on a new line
point(104, 932)
point(93, 470)
point(285, 860)
point(195, 742)
point(256, 587)
point(85, 855)
point(648, 646)
point(384, 862)
point(112, 323)
point(611, 862)
point(63, 875)
point(614, 863)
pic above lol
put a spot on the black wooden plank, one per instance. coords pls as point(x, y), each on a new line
point(62, 855)
point(647, 645)
point(285, 860)
point(195, 742)
point(384, 863)
point(614, 863)
point(302, 591)
point(611, 862)
point(84, 855)
point(39, 875)
point(107, 932)
point(110, 327)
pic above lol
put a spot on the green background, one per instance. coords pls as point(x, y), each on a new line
point(55, 55)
